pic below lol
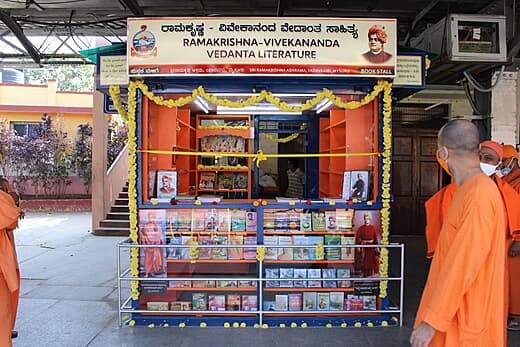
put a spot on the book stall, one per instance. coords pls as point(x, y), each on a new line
point(216, 108)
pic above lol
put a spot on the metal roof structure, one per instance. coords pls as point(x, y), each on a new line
point(42, 32)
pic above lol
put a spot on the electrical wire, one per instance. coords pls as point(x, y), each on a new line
point(475, 84)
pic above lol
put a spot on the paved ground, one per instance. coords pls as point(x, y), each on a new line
point(69, 297)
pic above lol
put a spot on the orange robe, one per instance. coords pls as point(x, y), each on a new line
point(513, 179)
point(436, 209)
point(464, 294)
point(9, 275)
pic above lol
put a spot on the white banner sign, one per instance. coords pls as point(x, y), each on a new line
point(262, 46)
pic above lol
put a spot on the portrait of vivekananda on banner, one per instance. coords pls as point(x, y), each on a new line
point(377, 38)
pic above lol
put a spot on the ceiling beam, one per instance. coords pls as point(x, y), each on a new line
point(18, 32)
point(133, 6)
point(417, 18)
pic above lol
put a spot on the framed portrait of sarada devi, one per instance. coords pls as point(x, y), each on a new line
point(166, 185)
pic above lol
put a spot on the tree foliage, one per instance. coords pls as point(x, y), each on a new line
point(117, 138)
point(83, 154)
point(70, 78)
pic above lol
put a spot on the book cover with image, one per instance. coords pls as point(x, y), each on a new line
point(332, 253)
point(219, 252)
point(174, 252)
point(323, 302)
point(281, 220)
point(300, 274)
point(282, 302)
point(330, 219)
point(285, 253)
point(226, 283)
point(344, 219)
point(183, 220)
point(238, 220)
point(198, 220)
point(211, 220)
point(318, 221)
point(251, 221)
point(166, 185)
point(271, 253)
point(152, 231)
point(313, 242)
point(272, 273)
point(300, 253)
point(204, 252)
point(240, 181)
point(359, 185)
point(344, 273)
point(249, 303)
point(179, 284)
point(309, 301)
point(269, 305)
point(314, 273)
point(225, 180)
point(250, 253)
point(203, 284)
point(236, 253)
point(186, 241)
point(246, 283)
point(369, 302)
point(294, 220)
point(217, 302)
point(329, 273)
point(233, 302)
point(295, 301)
point(199, 302)
point(336, 301)
point(224, 220)
point(286, 273)
point(207, 180)
point(305, 221)
point(345, 192)
point(347, 253)
point(269, 220)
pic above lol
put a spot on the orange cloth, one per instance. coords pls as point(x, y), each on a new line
point(9, 278)
point(513, 179)
point(436, 209)
point(464, 294)
point(493, 146)
point(509, 151)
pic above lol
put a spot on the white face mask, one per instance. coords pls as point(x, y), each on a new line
point(488, 169)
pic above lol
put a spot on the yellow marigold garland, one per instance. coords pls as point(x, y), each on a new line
point(287, 138)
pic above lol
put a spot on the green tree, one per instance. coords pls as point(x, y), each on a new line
point(70, 78)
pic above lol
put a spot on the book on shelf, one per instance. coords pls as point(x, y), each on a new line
point(285, 253)
point(359, 185)
point(246, 283)
point(314, 273)
point(269, 305)
point(282, 302)
point(212, 122)
point(332, 253)
point(295, 301)
point(323, 302)
point(313, 242)
point(272, 273)
point(226, 283)
point(300, 274)
point(184, 220)
point(219, 252)
point(236, 253)
point(233, 302)
point(347, 253)
point(249, 303)
point(186, 241)
point(353, 303)
point(207, 180)
point(166, 185)
point(306, 221)
point(251, 221)
point(281, 221)
point(240, 180)
point(329, 273)
point(174, 252)
point(294, 220)
point(344, 219)
point(225, 180)
point(199, 301)
point(211, 220)
point(217, 302)
point(336, 301)
point(286, 273)
point(171, 220)
point(203, 284)
point(238, 220)
point(180, 305)
point(224, 220)
point(209, 198)
point(199, 220)
point(318, 221)
point(309, 301)
point(208, 143)
point(300, 253)
point(345, 191)
point(204, 252)
point(343, 273)
point(369, 302)
point(271, 253)
point(250, 253)
point(330, 218)
point(157, 306)
point(179, 284)
point(269, 220)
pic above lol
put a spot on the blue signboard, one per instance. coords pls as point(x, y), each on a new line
point(108, 105)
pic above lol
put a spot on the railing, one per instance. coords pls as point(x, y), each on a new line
point(126, 307)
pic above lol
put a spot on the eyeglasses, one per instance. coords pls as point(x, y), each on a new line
point(373, 39)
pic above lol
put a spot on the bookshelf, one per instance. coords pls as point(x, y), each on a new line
point(226, 176)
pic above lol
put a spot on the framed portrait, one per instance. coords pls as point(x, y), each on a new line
point(367, 226)
point(166, 185)
point(359, 185)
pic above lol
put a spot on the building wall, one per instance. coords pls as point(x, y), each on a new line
point(23, 103)
point(504, 108)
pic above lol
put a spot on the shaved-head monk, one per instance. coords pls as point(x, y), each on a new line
point(463, 303)
point(9, 274)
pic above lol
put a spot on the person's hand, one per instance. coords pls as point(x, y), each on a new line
point(514, 251)
point(422, 335)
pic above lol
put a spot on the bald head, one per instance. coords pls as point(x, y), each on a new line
point(459, 136)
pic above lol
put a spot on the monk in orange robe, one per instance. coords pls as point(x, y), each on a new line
point(151, 234)
point(9, 274)
point(367, 260)
point(511, 176)
point(463, 303)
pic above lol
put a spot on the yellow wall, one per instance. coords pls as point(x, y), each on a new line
point(36, 101)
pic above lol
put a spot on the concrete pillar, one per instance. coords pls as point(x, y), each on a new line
point(52, 88)
point(99, 159)
point(505, 101)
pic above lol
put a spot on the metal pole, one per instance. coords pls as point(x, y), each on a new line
point(119, 286)
point(401, 294)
